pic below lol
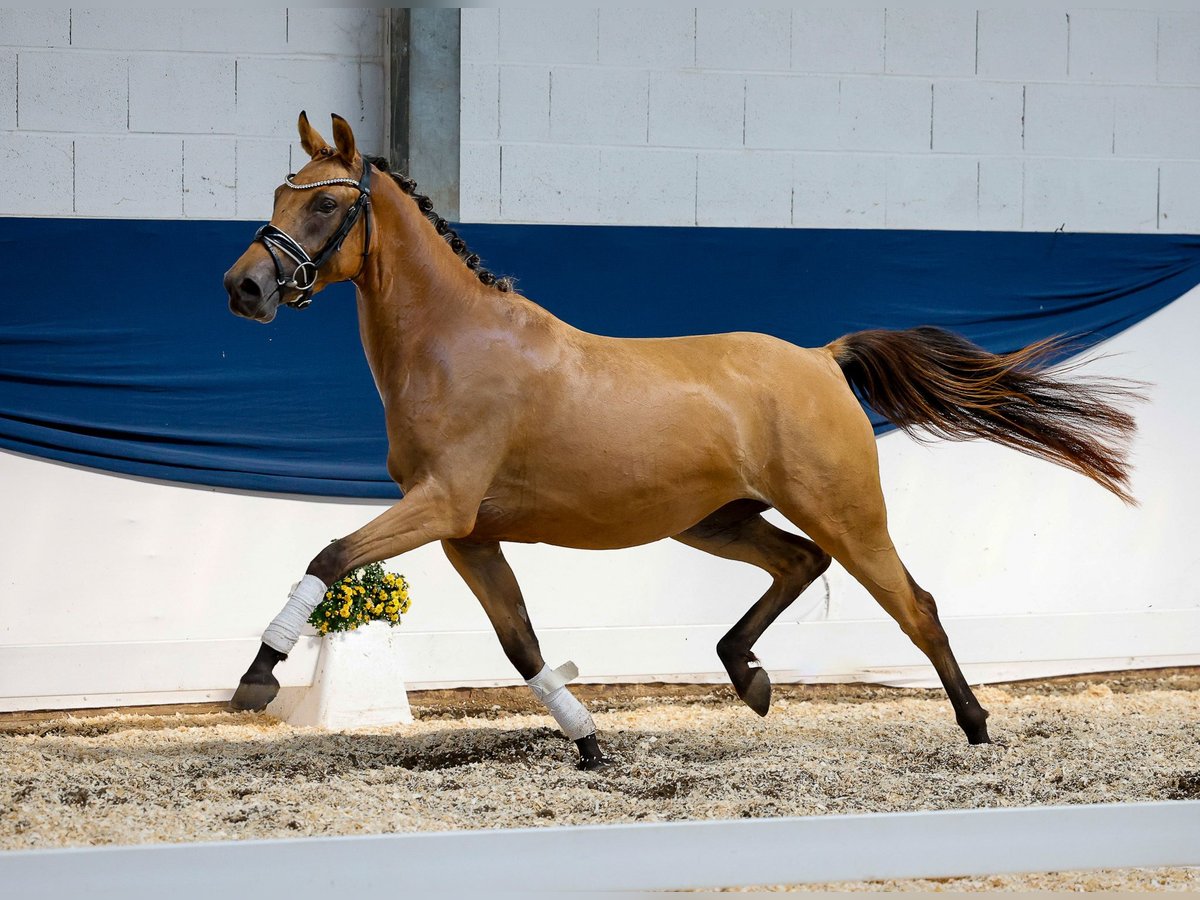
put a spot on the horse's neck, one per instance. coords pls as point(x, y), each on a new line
point(416, 298)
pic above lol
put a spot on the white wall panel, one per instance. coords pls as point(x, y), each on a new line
point(789, 112)
point(831, 189)
point(929, 41)
point(1091, 195)
point(658, 186)
point(1036, 571)
point(1179, 185)
point(8, 89)
point(1113, 45)
point(837, 39)
point(744, 189)
point(1069, 120)
point(61, 89)
point(743, 38)
point(984, 117)
point(35, 27)
point(651, 37)
point(1022, 42)
point(37, 171)
point(1179, 48)
point(129, 176)
point(599, 106)
point(208, 105)
point(150, 78)
point(1006, 90)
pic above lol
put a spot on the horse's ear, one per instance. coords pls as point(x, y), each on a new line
point(310, 139)
point(343, 137)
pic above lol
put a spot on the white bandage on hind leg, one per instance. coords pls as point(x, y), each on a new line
point(550, 686)
point(284, 631)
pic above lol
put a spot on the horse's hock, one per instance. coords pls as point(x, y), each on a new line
point(358, 683)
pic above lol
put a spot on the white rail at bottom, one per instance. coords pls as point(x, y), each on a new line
point(630, 857)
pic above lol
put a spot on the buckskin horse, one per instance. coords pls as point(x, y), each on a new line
point(506, 424)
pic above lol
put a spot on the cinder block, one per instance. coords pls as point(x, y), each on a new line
point(524, 103)
point(643, 186)
point(1158, 122)
point(933, 40)
point(272, 91)
point(661, 38)
point(1113, 45)
point(188, 93)
point(1023, 42)
point(545, 183)
point(977, 116)
point(837, 39)
point(932, 192)
point(1000, 200)
point(35, 27)
point(129, 176)
point(479, 102)
point(1117, 195)
point(8, 90)
point(744, 188)
point(479, 182)
point(37, 172)
point(1179, 197)
point(479, 35)
point(743, 38)
point(697, 109)
point(839, 190)
point(246, 29)
point(880, 113)
point(549, 34)
point(1069, 119)
point(70, 90)
point(599, 105)
point(209, 178)
point(1179, 48)
point(338, 31)
point(261, 165)
point(792, 112)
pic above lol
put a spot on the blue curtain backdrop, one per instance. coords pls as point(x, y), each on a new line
point(117, 350)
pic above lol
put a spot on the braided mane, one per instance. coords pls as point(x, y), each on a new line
point(457, 244)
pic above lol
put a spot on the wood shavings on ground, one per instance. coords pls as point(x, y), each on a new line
point(489, 759)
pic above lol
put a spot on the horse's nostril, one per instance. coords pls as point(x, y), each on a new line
point(249, 288)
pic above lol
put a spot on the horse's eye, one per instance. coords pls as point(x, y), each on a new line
point(327, 204)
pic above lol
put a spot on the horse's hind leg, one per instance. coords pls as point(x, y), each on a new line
point(487, 573)
point(862, 545)
point(738, 532)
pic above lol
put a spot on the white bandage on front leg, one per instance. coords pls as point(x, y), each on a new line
point(284, 631)
point(550, 686)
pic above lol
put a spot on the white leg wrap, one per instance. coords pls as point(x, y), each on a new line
point(550, 686)
point(284, 631)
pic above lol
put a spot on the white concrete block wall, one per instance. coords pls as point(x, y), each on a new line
point(1015, 118)
point(164, 113)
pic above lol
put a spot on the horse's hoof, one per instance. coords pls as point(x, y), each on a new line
point(253, 697)
point(757, 694)
point(590, 757)
point(979, 737)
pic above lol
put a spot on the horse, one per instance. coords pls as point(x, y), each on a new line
point(505, 423)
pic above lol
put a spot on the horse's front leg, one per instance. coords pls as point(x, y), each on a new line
point(424, 515)
point(486, 572)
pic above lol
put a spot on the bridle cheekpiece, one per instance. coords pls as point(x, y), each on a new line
point(305, 275)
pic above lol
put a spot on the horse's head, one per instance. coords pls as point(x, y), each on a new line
point(305, 246)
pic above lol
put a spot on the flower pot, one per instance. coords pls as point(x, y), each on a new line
point(359, 682)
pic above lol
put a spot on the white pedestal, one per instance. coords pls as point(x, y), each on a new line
point(359, 682)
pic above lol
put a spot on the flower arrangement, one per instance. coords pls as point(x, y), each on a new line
point(365, 595)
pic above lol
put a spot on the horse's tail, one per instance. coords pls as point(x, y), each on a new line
point(928, 379)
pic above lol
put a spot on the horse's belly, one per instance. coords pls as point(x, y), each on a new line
point(607, 524)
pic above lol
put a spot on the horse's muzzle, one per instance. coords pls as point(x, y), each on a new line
point(250, 297)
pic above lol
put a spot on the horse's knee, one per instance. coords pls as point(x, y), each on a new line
point(331, 563)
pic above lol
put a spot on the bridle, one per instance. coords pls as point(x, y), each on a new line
point(305, 275)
